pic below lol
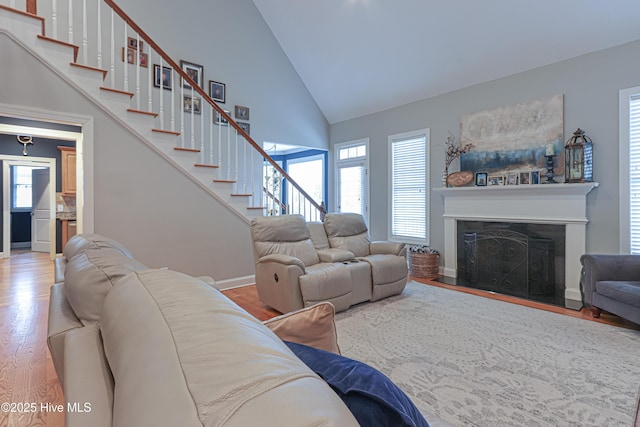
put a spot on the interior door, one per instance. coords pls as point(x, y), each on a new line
point(40, 210)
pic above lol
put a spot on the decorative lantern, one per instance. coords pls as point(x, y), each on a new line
point(578, 158)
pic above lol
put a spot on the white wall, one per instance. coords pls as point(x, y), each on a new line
point(590, 85)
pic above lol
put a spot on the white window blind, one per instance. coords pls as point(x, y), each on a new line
point(408, 173)
point(634, 173)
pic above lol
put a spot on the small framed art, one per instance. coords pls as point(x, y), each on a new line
point(162, 78)
point(192, 104)
point(245, 127)
point(242, 113)
point(495, 180)
point(219, 120)
point(481, 179)
point(525, 178)
point(194, 71)
point(132, 43)
point(512, 178)
point(217, 91)
point(535, 177)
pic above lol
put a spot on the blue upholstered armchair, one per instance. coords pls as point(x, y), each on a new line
point(612, 283)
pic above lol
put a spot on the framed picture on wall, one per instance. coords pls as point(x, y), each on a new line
point(242, 113)
point(194, 71)
point(481, 179)
point(219, 120)
point(162, 78)
point(245, 127)
point(218, 91)
point(192, 104)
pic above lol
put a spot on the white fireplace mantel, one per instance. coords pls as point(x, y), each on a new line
point(564, 204)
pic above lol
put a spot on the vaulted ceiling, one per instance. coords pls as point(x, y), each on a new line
point(358, 57)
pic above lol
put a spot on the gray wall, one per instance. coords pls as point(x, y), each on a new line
point(236, 47)
point(590, 85)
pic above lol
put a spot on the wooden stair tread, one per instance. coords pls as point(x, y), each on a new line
point(202, 165)
point(23, 13)
point(60, 42)
point(225, 180)
point(148, 113)
point(87, 67)
point(191, 150)
point(122, 92)
point(256, 207)
point(170, 132)
point(240, 195)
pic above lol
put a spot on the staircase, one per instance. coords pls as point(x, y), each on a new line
point(100, 51)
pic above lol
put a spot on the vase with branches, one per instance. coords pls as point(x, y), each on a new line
point(453, 150)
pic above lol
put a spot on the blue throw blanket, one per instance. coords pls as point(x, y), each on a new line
point(372, 398)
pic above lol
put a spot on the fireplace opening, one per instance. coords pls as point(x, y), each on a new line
point(518, 259)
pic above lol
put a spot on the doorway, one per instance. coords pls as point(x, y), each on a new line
point(35, 197)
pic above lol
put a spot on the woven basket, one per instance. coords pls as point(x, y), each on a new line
point(423, 266)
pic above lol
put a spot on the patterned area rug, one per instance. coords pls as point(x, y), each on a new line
point(473, 361)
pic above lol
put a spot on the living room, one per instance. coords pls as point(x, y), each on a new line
point(143, 195)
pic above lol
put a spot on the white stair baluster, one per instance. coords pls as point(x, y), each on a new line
point(202, 130)
point(54, 18)
point(84, 33)
point(71, 21)
point(150, 78)
point(244, 165)
point(162, 92)
point(219, 171)
point(180, 102)
point(99, 41)
point(112, 68)
point(236, 183)
point(192, 144)
point(228, 151)
point(125, 68)
point(137, 62)
point(210, 134)
point(173, 102)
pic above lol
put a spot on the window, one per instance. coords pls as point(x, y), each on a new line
point(308, 172)
point(408, 172)
point(630, 162)
point(21, 182)
point(352, 180)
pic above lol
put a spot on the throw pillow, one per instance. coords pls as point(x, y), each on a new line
point(313, 326)
point(372, 398)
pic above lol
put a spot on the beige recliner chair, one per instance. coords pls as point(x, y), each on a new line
point(289, 273)
point(388, 261)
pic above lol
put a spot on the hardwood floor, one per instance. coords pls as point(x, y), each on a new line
point(27, 374)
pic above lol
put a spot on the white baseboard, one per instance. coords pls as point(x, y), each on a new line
point(236, 282)
point(20, 245)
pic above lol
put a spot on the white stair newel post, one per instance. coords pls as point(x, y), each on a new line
point(137, 62)
point(85, 36)
point(54, 18)
point(71, 21)
point(99, 42)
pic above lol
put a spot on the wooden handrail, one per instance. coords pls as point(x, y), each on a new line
point(207, 98)
point(275, 199)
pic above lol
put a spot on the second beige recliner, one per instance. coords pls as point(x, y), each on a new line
point(388, 262)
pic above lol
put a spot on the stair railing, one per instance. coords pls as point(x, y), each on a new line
point(109, 40)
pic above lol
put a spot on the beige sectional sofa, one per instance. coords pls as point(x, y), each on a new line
point(299, 264)
point(154, 347)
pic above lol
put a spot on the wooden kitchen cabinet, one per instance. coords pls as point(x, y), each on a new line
point(68, 170)
point(69, 229)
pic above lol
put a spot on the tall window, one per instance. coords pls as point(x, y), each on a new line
point(352, 179)
point(634, 173)
point(408, 171)
point(629, 170)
